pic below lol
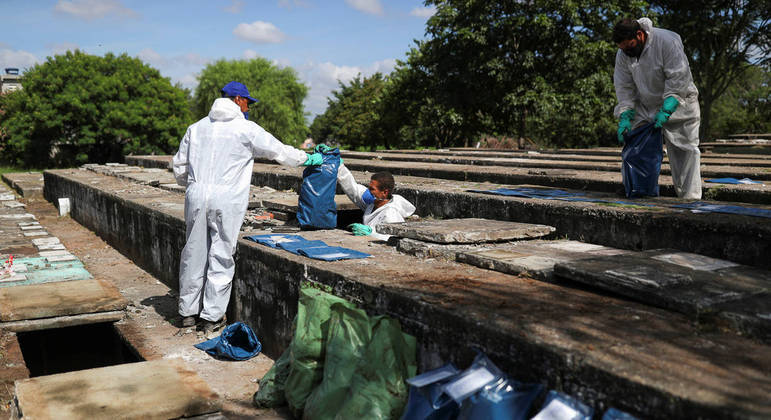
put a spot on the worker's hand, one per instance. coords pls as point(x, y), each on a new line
point(314, 159)
point(360, 230)
point(625, 124)
point(323, 148)
point(669, 107)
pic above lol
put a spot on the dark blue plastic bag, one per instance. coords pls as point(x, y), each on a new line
point(506, 399)
point(559, 406)
point(615, 414)
point(641, 161)
point(236, 342)
point(427, 401)
point(317, 208)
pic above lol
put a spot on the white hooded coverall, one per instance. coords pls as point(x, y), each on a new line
point(643, 83)
point(215, 161)
point(394, 211)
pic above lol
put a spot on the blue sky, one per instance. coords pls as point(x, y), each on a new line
point(324, 41)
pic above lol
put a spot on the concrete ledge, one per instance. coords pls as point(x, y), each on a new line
point(605, 350)
point(743, 239)
point(27, 184)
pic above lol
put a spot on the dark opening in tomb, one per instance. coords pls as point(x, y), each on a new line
point(59, 350)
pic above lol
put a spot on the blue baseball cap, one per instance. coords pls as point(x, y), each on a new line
point(238, 89)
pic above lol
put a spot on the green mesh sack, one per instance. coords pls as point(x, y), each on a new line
point(378, 389)
point(271, 392)
point(307, 349)
point(347, 340)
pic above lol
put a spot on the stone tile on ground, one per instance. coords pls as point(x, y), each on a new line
point(465, 231)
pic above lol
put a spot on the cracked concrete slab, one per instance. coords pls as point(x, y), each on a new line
point(465, 231)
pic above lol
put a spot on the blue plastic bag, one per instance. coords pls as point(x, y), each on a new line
point(559, 406)
point(427, 401)
point(505, 399)
point(641, 161)
point(236, 342)
point(317, 208)
point(615, 414)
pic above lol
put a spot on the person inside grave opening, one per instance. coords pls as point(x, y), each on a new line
point(214, 162)
point(377, 200)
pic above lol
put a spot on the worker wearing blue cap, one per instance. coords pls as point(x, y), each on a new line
point(214, 162)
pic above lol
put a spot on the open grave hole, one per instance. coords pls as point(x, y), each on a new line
point(59, 350)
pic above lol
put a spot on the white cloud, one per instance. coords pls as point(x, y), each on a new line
point(93, 9)
point(372, 7)
point(250, 54)
point(18, 59)
point(259, 32)
point(180, 68)
point(423, 12)
point(235, 6)
point(62, 47)
point(322, 79)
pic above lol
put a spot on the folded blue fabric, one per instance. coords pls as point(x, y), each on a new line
point(721, 208)
point(236, 342)
point(733, 181)
point(294, 246)
point(331, 253)
point(273, 240)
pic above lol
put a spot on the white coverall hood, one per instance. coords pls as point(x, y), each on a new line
point(643, 83)
point(215, 161)
point(395, 211)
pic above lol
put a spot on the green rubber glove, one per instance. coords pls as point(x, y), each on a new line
point(360, 230)
point(314, 159)
point(669, 107)
point(625, 124)
point(323, 148)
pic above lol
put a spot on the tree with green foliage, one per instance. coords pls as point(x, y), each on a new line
point(539, 70)
point(721, 37)
point(353, 115)
point(280, 93)
point(745, 107)
point(77, 108)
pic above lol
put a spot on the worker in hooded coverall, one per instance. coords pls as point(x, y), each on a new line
point(653, 84)
point(214, 161)
point(377, 201)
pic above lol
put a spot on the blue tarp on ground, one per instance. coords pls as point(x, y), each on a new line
point(315, 249)
point(699, 206)
point(733, 181)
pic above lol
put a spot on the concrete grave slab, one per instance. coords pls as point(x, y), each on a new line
point(27, 224)
point(49, 247)
point(48, 300)
point(7, 196)
point(12, 278)
point(46, 241)
point(463, 231)
point(13, 204)
point(160, 389)
point(18, 216)
point(289, 204)
point(36, 233)
point(671, 279)
point(54, 253)
point(62, 258)
point(31, 227)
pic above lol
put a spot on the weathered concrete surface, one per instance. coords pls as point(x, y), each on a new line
point(162, 389)
point(48, 300)
point(607, 351)
point(27, 184)
point(737, 238)
point(12, 368)
point(600, 181)
point(533, 258)
point(692, 284)
point(62, 321)
point(708, 170)
point(706, 158)
point(288, 203)
point(464, 231)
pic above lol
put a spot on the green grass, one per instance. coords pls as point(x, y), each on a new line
point(7, 169)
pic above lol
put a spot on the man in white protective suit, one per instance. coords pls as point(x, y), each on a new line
point(653, 84)
point(215, 161)
point(377, 201)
